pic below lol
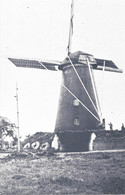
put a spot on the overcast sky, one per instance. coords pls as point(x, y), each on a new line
point(39, 29)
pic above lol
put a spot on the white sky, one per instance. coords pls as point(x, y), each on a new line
point(39, 29)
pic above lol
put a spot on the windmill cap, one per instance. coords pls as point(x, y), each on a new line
point(78, 57)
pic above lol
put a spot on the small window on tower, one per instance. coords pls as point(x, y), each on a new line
point(76, 121)
point(76, 102)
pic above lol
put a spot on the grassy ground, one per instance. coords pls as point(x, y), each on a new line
point(84, 173)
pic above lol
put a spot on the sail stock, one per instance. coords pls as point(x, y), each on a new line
point(71, 28)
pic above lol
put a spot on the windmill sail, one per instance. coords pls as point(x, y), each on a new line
point(109, 65)
point(26, 63)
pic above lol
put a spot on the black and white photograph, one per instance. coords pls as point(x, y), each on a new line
point(62, 97)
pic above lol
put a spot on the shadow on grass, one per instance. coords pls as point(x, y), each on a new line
point(63, 181)
point(109, 186)
point(17, 177)
point(114, 185)
point(72, 185)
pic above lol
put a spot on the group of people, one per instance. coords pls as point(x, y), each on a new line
point(111, 126)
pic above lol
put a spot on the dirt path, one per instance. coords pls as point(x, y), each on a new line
point(88, 152)
point(2, 155)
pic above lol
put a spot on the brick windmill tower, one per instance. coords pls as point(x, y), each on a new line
point(78, 111)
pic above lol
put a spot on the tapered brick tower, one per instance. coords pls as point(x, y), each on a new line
point(78, 110)
point(72, 114)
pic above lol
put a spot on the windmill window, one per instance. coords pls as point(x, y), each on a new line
point(76, 102)
point(76, 121)
point(82, 58)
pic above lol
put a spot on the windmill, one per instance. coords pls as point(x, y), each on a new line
point(79, 112)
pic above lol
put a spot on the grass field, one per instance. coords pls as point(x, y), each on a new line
point(78, 173)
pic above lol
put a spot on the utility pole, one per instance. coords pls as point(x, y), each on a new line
point(18, 131)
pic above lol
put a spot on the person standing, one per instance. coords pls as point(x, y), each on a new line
point(111, 126)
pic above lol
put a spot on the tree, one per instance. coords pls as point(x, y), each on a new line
point(7, 129)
